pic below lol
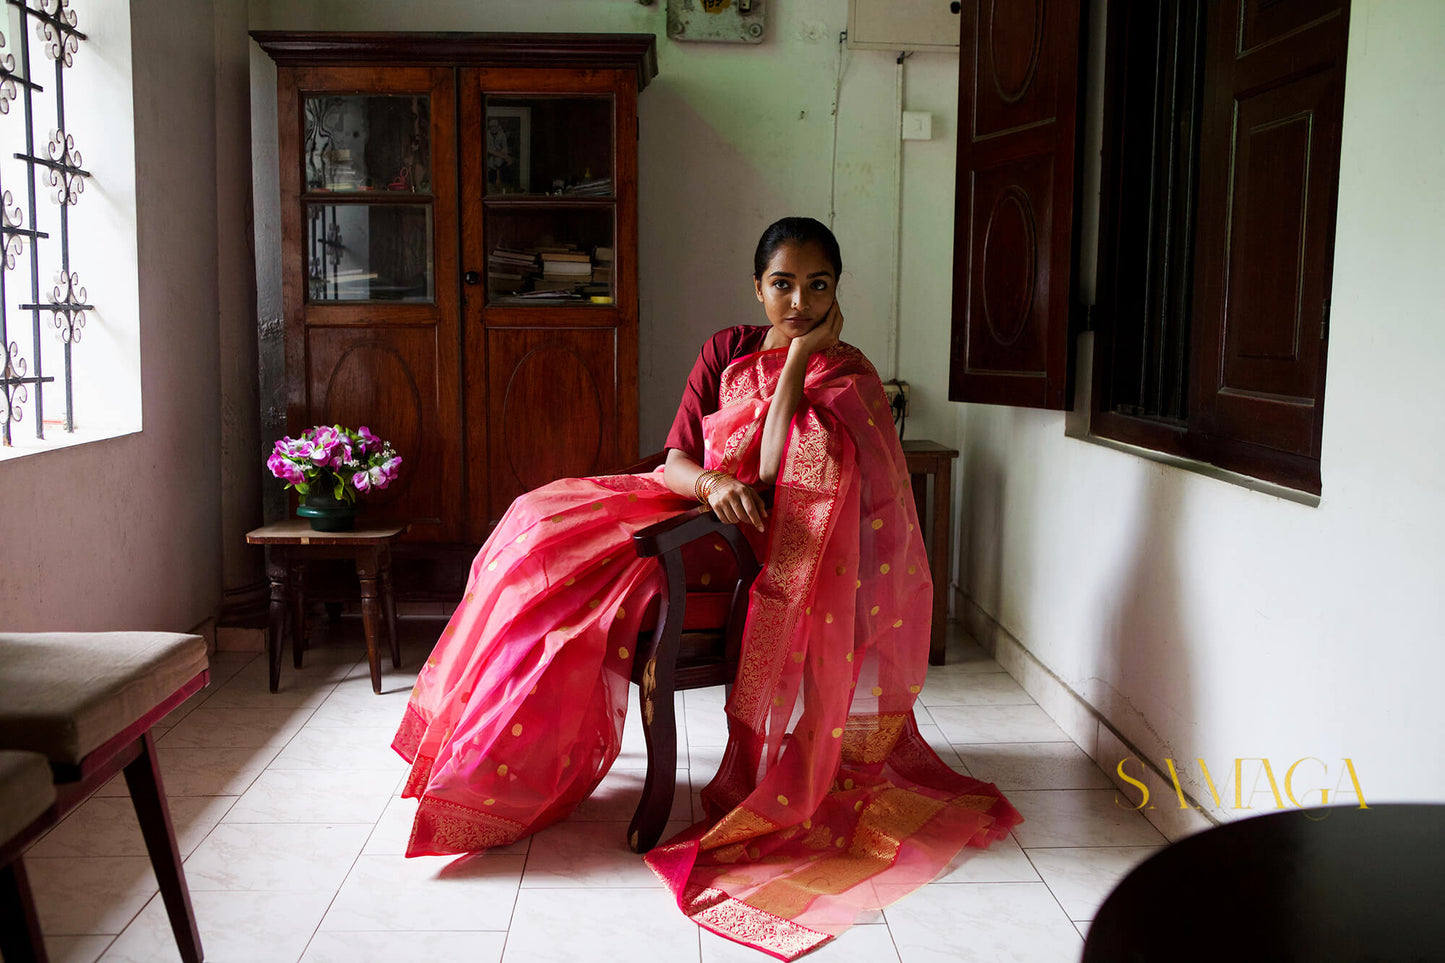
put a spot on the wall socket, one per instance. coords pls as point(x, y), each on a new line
point(892, 389)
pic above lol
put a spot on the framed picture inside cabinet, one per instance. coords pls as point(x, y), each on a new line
point(509, 149)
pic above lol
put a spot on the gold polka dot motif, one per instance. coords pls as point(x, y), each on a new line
point(521, 538)
point(873, 610)
point(837, 733)
point(841, 570)
point(915, 689)
point(489, 802)
point(884, 568)
point(898, 624)
point(877, 524)
point(878, 690)
point(502, 769)
point(622, 652)
point(570, 581)
point(491, 566)
point(706, 578)
point(517, 729)
point(594, 603)
point(828, 618)
point(782, 800)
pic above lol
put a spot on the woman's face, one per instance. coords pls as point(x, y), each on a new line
point(796, 289)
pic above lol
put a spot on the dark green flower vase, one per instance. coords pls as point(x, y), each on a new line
point(327, 512)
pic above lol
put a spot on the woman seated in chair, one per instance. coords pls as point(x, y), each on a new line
point(826, 785)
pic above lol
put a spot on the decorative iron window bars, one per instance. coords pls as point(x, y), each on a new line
point(59, 40)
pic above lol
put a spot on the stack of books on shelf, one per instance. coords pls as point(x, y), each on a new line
point(508, 269)
point(566, 264)
point(602, 258)
point(552, 272)
point(595, 187)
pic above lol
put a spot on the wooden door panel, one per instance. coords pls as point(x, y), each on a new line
point(1271, 328)
point(552, 402)
point(1014, 80)
point(1269, 170)
point(391, 379)
point(390, 365)
point(1264, 22)
point(1009, 257)
point(1013, 217)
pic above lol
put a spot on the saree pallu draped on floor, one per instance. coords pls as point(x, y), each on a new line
point(828, 802)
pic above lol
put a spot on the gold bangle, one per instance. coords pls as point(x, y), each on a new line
point(706, 482)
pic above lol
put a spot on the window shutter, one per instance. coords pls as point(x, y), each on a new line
point(1269, 173)
point(1014, 204)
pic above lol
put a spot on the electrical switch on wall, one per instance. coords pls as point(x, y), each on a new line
point(917, 125)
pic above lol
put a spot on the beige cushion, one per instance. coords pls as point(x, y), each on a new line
point(26, 791)
point(67, 693)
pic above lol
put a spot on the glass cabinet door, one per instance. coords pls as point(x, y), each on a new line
point(549, 199)
point(368, 197)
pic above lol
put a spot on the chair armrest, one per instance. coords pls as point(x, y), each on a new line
point(676, 531)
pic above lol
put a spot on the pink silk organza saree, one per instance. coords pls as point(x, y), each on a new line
point(828, 802)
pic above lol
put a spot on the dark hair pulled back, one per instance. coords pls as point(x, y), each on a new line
point(796, 230)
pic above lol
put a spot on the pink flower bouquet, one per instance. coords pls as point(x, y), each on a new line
point(330, 457)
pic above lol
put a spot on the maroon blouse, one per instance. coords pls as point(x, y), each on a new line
point(700, 397)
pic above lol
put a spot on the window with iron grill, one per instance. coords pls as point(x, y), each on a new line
point(43, 304)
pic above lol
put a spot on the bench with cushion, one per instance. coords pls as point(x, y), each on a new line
point(86, 701)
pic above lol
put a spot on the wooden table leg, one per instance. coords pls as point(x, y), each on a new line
point(938, 558)
point(388, 604)
point(298, 612)
point(366, 571)
point(276, 624)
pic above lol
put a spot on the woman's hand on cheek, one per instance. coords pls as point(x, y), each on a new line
point(737, 503)
point(824, 334)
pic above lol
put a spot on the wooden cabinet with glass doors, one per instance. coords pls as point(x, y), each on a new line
point(459, 234)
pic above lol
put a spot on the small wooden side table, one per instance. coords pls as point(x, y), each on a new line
point(289, 545)
point(926, 458)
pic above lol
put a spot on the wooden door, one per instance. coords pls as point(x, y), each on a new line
point(1274, 82)
point(549, 160)
point(1013, 210)
point(369, 278)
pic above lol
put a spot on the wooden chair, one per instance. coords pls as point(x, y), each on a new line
point(692, 641)
point(86, 701)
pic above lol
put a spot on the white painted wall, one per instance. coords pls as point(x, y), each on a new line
point(126, 533)
point(1206, 620)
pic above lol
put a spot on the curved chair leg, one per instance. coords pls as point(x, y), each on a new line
point(659, 717)
point(659, 726)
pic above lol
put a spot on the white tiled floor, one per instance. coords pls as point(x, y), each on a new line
point(286, 807)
